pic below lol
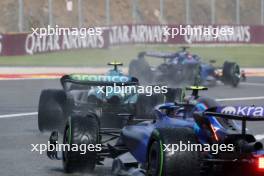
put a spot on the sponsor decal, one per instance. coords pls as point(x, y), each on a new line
point(229, 110)
point(38, 44)
point(254, 111)
point(100, 78)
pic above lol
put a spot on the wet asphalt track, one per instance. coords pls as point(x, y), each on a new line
point(17, 133)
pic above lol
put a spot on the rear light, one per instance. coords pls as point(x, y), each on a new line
point(261, 163)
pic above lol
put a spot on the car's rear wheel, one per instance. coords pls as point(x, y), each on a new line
point(80, 131)
point(231, 73)
point(51, 110)
point(167, 163)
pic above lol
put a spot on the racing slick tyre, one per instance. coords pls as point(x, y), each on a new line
point(140, 69)
point(51, 115)
point(81, 131)
point(162, 162)
point(231, 73)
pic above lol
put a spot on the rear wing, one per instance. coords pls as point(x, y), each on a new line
point(162, 55)
point(247, 113)
point(98, 80)
point(241, 113)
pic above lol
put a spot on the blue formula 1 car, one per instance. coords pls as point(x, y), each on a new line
point(183, 68)
point(195, 136)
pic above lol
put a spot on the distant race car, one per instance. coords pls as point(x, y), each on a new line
point(183, 68)
point(144, 146)
point(81, 94)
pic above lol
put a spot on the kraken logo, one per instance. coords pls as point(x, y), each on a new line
point(229, 110)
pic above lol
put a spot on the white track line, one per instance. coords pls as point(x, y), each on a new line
point(18, 115)
point(252, 84)
point(240, 98)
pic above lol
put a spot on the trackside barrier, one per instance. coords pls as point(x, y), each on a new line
point(29, 44)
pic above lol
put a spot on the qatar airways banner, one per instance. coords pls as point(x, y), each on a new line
point(29, 44)
point(32, 43)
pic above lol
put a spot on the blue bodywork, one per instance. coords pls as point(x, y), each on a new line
point(207, 72)
point(137, 137)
